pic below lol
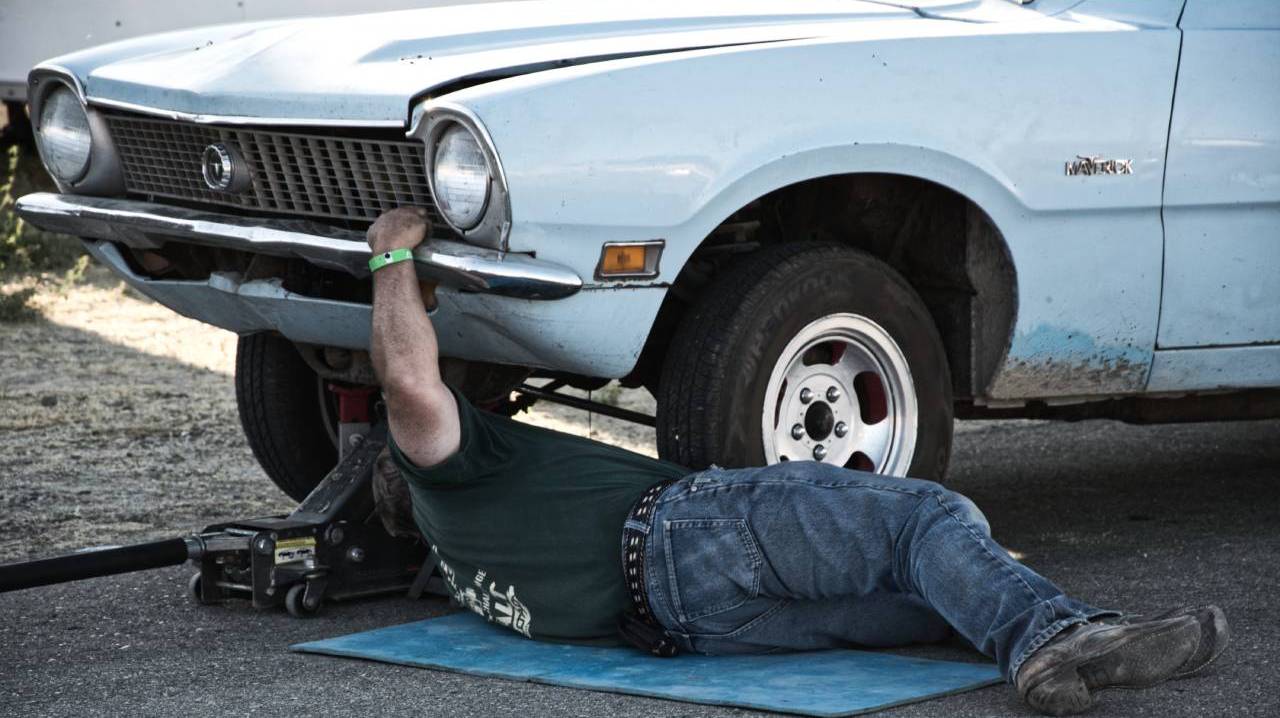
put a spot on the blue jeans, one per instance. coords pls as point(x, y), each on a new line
point(803, 556)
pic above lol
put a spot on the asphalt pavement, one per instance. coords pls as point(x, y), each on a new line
point(1137, 518)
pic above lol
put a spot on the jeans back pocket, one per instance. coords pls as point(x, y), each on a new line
point(713, 566)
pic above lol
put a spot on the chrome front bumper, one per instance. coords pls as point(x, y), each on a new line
point(145, 225)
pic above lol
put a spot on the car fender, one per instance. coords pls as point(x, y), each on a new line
point(668, 146)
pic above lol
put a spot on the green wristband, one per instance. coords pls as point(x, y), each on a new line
point(396, 255)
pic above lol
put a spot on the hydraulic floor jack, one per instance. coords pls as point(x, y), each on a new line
point(332, 547)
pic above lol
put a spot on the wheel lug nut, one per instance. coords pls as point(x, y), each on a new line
point(819, 452)
point(841, 429)
point(806, 396)
point(833, 394)
point(797, 432)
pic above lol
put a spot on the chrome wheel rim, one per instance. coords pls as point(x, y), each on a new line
point(841, 393)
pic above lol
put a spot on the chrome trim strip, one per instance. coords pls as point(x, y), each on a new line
point(146, 225)
point(241, 120)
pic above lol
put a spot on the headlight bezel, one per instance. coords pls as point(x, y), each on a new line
point(54, 99)
point(432, 119)
point(102, 175)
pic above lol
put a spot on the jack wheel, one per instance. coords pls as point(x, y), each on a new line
point(295, 601)
point(195, 589)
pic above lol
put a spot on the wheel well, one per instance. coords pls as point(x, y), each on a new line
point(945, 246)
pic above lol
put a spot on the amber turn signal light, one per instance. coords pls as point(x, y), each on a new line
point(629, 260)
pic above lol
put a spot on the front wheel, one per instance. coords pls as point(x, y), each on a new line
point(808, 351)
point(285, 413)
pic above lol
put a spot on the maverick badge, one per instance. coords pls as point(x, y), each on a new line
point(1097, 166)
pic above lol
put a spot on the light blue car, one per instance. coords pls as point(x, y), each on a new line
point(814, 230)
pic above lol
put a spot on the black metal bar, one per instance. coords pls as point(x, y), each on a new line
point(90, 564)
point(346, 487)
point(588, 405)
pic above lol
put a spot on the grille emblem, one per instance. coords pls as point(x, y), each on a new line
point(223, 169)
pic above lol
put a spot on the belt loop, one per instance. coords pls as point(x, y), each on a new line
point(640, 526)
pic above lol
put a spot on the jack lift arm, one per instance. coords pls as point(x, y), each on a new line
point(331, 547)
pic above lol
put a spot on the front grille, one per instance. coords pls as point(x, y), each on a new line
point(314, 175)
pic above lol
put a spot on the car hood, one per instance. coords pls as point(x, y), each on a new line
point(366, 69)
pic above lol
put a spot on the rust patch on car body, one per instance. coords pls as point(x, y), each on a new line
point(1052, 361)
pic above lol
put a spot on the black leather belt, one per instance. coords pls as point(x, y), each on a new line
point(641, 628)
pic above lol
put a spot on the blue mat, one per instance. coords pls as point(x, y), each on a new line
point(826, 683)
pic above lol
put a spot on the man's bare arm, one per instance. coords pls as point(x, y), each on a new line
point(421, 411)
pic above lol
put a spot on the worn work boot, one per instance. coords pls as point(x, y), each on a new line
point(1214, 635)
point(1062, 677)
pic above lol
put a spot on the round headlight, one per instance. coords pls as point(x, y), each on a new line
point(64, 135)
point(460, 177)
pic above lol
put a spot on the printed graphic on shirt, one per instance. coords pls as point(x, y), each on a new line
point(502, 608)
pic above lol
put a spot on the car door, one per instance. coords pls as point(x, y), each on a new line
point(1220, 309)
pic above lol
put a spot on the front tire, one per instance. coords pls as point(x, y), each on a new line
point(282, 412)
point(808, 351)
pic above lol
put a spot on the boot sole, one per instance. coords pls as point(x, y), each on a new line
point(1221, 635)
point(1086, 672)
point(1097, 680)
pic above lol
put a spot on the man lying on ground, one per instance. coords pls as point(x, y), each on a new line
point(565, 539)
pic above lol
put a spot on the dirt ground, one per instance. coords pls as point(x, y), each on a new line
point(118, 423)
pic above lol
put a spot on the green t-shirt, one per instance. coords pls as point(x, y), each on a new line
point(526, 524)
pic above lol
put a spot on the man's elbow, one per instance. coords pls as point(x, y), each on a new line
point(424, 421)
point(412, 388)
point(413, 400)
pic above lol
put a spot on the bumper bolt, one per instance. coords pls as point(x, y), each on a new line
point(819, 452)
point(841, 429)
point(262, 545)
